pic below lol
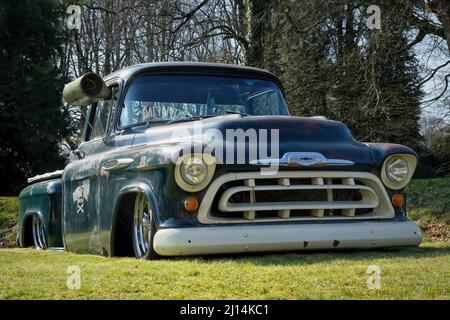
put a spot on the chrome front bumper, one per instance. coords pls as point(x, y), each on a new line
point(285, 237)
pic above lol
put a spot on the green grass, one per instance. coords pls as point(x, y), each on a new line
point(410, 273)
point(9, 208)
point(430, 194)
point(428, 204)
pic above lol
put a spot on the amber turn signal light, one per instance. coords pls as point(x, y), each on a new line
point(398, 200)
point(191, 204)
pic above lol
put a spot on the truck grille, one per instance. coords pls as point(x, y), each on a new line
point(294, 196)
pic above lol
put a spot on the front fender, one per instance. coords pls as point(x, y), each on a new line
point(139, 187)
point(380, 151)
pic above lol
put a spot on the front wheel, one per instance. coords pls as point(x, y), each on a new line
point(143, 229)
point(38, 230)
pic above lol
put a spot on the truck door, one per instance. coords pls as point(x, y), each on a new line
point(82, 191)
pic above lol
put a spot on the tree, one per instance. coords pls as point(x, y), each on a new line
point(31, 112)
point(392, 92)
point(440, 149)
point(436, 148)
point(427, 25)
point(334, 65)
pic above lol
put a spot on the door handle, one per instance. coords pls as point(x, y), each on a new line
point(117, 164)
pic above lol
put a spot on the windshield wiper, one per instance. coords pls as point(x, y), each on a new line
point(195, 118)
point(145, 125)
point(150, 123)
point(192, 118)
point(236, 112)
point(207, 116)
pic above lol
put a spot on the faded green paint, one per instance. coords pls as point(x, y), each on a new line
point(44, 199)
point(82, 207)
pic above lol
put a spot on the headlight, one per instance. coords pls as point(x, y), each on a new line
point(397, 170)
point(194, 170)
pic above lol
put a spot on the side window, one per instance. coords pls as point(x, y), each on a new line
point(103, 116)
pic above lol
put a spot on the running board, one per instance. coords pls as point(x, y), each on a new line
point(57, 249)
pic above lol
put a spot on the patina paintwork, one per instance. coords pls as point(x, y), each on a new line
point(45, 199)
point(81, 210)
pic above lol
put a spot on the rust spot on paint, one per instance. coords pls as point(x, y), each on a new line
point(305, 244)
point(335, 243)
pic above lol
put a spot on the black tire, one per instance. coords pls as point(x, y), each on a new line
point(143, 229)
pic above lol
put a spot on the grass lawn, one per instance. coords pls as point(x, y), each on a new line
point(9, 208)
point(413, 273)
point(410, 273)
point(428, 204)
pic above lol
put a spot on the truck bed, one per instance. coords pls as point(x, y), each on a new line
point(42, 198)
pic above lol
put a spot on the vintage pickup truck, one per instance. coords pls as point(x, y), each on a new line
point(175, 161)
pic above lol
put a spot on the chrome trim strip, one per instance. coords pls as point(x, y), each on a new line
point(46, 176)
point(302, 159)
point(117, 164)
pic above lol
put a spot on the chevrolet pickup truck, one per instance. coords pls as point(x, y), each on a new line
point(195, 158)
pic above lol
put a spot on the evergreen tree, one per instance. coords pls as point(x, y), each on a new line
point(33, 119)
point(334, 65)
point(393, 90)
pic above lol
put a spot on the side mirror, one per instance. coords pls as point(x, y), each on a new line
point(86, 90)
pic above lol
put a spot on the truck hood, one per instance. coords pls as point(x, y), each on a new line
point(295, 134)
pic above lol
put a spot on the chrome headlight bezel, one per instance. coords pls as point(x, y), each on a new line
point(406, 165)
point(397, 170)
point(194, 170)
point(204, 162)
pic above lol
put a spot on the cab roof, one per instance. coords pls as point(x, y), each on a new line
point(193, 67)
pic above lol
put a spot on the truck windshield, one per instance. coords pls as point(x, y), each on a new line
point(161, 98)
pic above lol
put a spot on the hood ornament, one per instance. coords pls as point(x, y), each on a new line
point(303, 159)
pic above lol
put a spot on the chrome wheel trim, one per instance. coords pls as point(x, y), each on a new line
point(38, 233)
point(142, 225)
